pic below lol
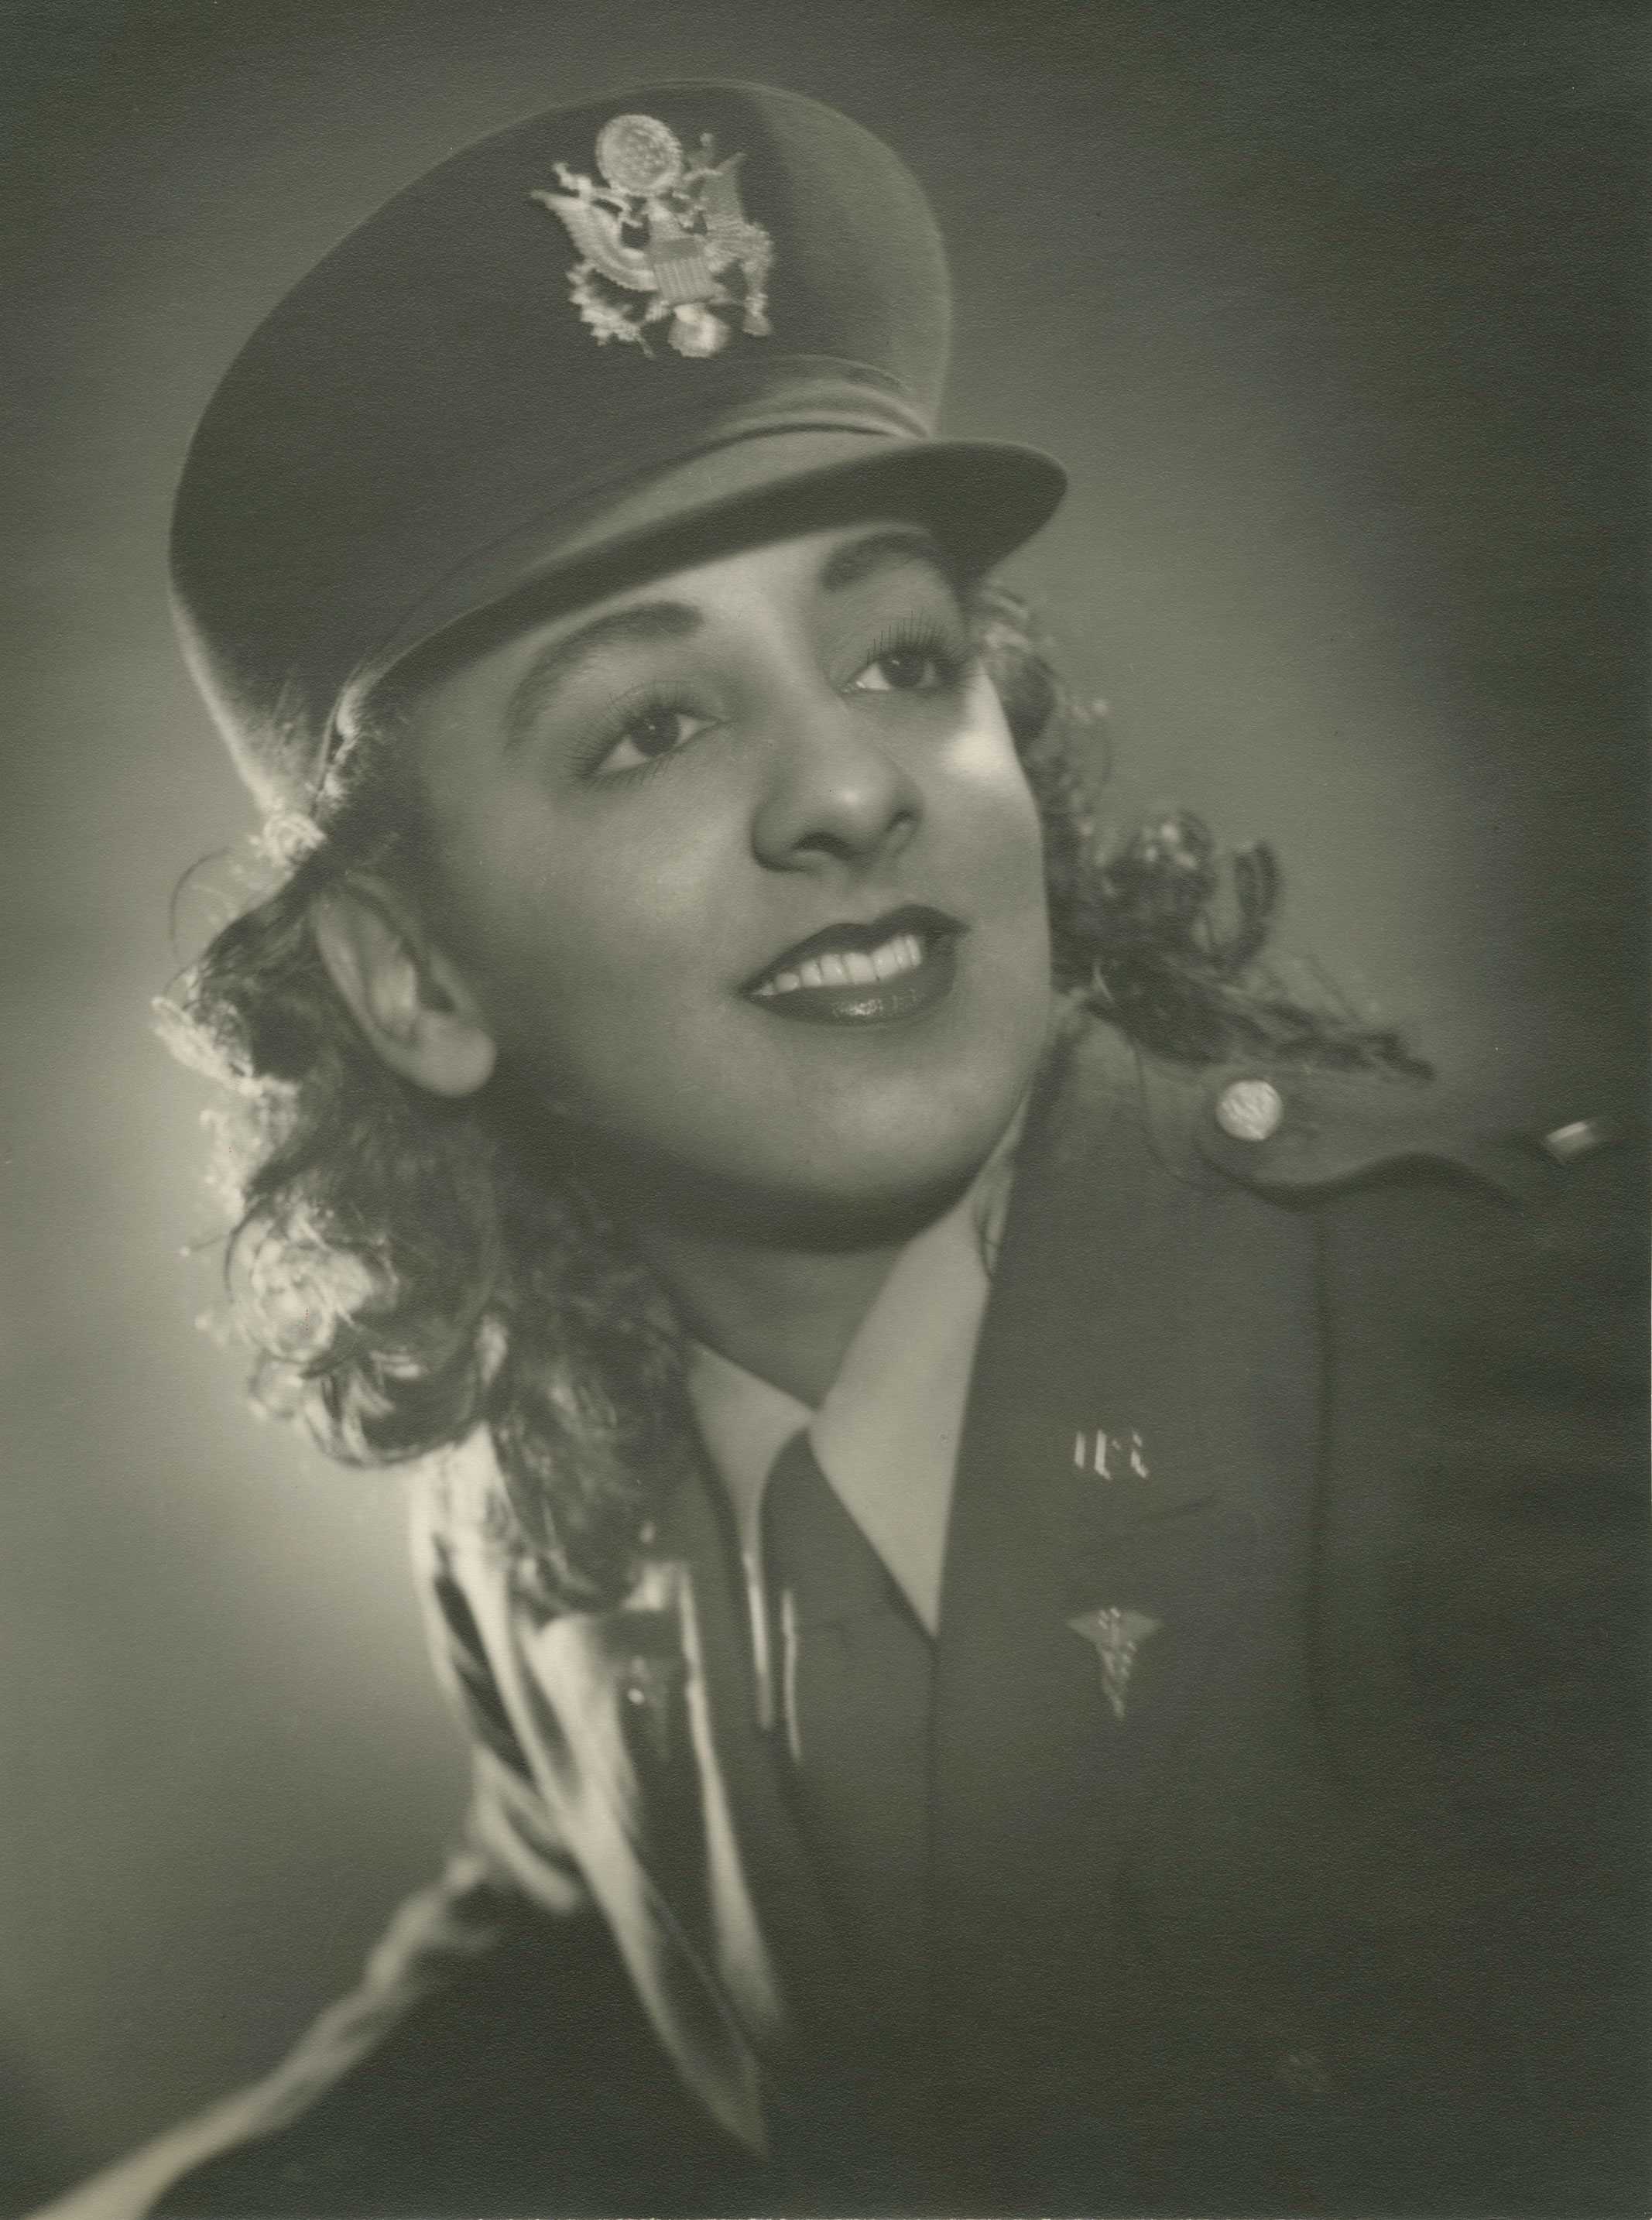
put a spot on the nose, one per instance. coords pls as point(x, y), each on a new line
point(834, 790)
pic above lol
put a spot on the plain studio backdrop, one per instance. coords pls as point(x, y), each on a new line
point(1332, 309)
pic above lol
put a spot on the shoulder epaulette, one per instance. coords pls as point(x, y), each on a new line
point(1293, 1131)
point(1518, 1106)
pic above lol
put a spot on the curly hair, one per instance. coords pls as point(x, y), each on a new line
point(406, 1271)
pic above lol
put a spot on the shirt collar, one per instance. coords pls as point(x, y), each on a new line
point(886, 1434)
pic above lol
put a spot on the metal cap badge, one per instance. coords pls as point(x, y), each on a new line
point(696, 252)
point(445, 420)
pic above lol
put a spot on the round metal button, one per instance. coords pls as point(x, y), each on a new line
point(1250, 1110)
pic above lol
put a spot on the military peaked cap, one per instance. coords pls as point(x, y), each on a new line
point(586, 349)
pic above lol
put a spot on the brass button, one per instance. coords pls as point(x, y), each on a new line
point(1250, 1110)
point(1581, 1138)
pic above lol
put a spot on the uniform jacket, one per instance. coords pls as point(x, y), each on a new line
point(1285, 1760)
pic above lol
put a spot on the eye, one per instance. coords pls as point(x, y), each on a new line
point(902, 670)
point(920, 665)
point(648, 735)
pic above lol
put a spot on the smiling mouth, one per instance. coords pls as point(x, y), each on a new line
point(862, 975)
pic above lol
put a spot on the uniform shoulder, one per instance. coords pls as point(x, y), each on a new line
point(1517, 1106)
point(1514, 1106)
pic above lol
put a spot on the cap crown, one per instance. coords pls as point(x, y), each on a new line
point(441, 384)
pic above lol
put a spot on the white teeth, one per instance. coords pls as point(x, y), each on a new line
point(902, 951)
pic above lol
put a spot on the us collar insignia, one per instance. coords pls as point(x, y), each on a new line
point(1116, 1636)
point(667, 242)
point(1112, 1457)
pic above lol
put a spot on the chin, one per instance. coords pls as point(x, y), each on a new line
point(861, 1215)
point(884, 1186)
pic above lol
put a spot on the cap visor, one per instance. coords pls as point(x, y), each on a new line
point(980, 500)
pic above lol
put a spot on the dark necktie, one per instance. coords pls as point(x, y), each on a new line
point(854, 1666)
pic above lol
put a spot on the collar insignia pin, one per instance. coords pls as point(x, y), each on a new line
point(1116, 1636)
point(1111, 1456)
point(667, 241)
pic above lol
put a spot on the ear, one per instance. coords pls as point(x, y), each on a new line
point(412, 1003)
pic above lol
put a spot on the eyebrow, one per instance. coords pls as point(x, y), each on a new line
point(643, 623)
point(639, 625)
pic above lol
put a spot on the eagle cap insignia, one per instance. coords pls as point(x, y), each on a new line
point(663, 239)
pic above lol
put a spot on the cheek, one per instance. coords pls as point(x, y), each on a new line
point(579, 948)
point(994, 811)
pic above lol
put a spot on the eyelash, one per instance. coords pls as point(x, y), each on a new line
point(649, 703)
point(922, 636)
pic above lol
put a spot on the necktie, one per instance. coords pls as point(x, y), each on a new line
point(855, 1671)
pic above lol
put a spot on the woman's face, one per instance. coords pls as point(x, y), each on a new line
point(743, 874)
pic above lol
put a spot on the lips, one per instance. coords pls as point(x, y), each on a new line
point(854, 974)
point(829, 953)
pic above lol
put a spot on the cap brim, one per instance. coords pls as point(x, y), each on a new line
point(981, 499)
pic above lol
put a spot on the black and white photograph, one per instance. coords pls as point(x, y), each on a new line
point(825, 1220)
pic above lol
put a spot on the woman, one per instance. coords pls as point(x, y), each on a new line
point(977, 1512)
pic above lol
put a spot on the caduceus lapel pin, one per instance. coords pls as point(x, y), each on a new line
point(1116, 1636)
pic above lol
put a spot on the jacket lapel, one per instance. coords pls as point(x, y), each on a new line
point(618, 1704)
point(670, 1800)
point(812, 2004)
point(1115, 1501)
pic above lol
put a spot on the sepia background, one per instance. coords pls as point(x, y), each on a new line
point(1333, 312)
